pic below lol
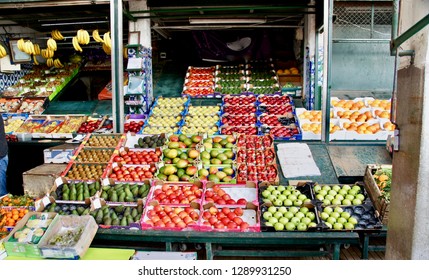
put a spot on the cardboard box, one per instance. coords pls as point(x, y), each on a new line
point(27, 248)
point(59, 154)
point(38, 181)
point(68, 224)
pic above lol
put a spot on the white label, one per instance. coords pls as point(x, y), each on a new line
point(46, 201)
point(96, 203)
point(58, 181)
point(38, 204)
point(106, 181)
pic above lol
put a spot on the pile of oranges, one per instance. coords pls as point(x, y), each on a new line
point(10, 216)
point(16, 200)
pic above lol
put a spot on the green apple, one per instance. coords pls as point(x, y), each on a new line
point(356, 201)
point(329, 225)
point(266, 193)
point(326, 188)
point(328, 210)
point(268, 224)
point(282, 197)
point(338, 209)
point(279, 226)
point(292, 197)
point(339, 197)
point(331, 220)
point(294, 209)
point(295, 220)
point(272, 209)
point(336, 188)
point(290, 188)
point(306, 220)
point(342, 192)
point(336, 215)
point(304, 210)
point(267, 215)
point(311, 225)
point(341, 220)
point(324, 216)
point(273, 220)
point(336, 202)
point(317, 188)
point(311, 215)
point(300, 215)
point(278, 202)
point(286, 192)
point(349, 197)
point(346, 202)
point(353, 220)
point(352, 192)
point(332, 192)
point(338, 226)
point(282, 209)
point(356, 188)
point(345, 215)
point(278, 215)
point(284, 220)
point(281, 188)
point(346, 187)
point(329, 197)
point(302, 197)
point(287, 202)
point(349, 226)
point(360, 196)
point(297, 202)
point(275, 192)
point(323, 192)
point(290, 226)
point(289, 215)
point(320, 197)
point(301, 227)
point(271, 188)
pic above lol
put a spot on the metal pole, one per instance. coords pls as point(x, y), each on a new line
point(216, 9)
point(372, 21)
point(316, 75)
point(396, 42)
point(117, 65)
point(395, 22)
point(327, 60)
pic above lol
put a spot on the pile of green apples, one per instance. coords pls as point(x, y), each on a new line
point(284, 196)
point(289, 218)
point(217, 156)
point(338, 219)
point(339, 195)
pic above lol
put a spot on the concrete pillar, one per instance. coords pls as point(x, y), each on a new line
point(141, 25)
point(409, 210)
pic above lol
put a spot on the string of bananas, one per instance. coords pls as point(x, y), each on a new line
point(76, 45)
point(36, 49)
point(52, 44)
point(58, 64)
point(47, 53)
point(96, 36)
point(83, 37)
point(50, 62)
point(106, 39)
point(106, 49)
point(56, 35)
point(29, 47)
point(125, 53)
point(20, 44)
point(3, 51)
point(35, 60)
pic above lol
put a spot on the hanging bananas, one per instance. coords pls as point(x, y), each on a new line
point(20, 44)
point(47, 53)
point(96, 36)
point(106, 39)
point(36, 49)
point(57, 63)
point(29, 47)
point(52, 44)
point(76, 45)
point(106, 49)
point(3, 51)
point(125, 53)
point(56, 35)
point(35, 60)
point(50, 62)
point(82, 37)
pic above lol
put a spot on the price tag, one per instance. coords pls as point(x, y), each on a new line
point(106, 181)
point(96, 203)
point(58, 181)
point(46, 201)
point(37, 204)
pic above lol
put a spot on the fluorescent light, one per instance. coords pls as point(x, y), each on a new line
point(73, 23)
point(226, 20)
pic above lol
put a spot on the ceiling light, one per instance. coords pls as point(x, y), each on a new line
point(73, 23)
point(226, 20)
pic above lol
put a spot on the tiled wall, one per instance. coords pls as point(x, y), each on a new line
point(7, 80)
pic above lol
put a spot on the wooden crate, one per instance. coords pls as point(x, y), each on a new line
point(380, 204)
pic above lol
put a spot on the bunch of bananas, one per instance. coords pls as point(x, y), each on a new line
point(96, 36)
point(29, 47)
point(52, 44)
point(50, 62)
point(20, 44)
point(76, 45)
point(56, 35)
point(83, 37)
point(106, 49)
point(36, 49)
point(35, 60)
point(58, 64)
point(106, 39)
point(3, 52)
point(47, 53)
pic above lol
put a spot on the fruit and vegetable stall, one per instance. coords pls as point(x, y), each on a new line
point(214, 189)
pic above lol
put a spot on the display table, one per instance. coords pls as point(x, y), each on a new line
point(94, 254)
point(251, 244)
